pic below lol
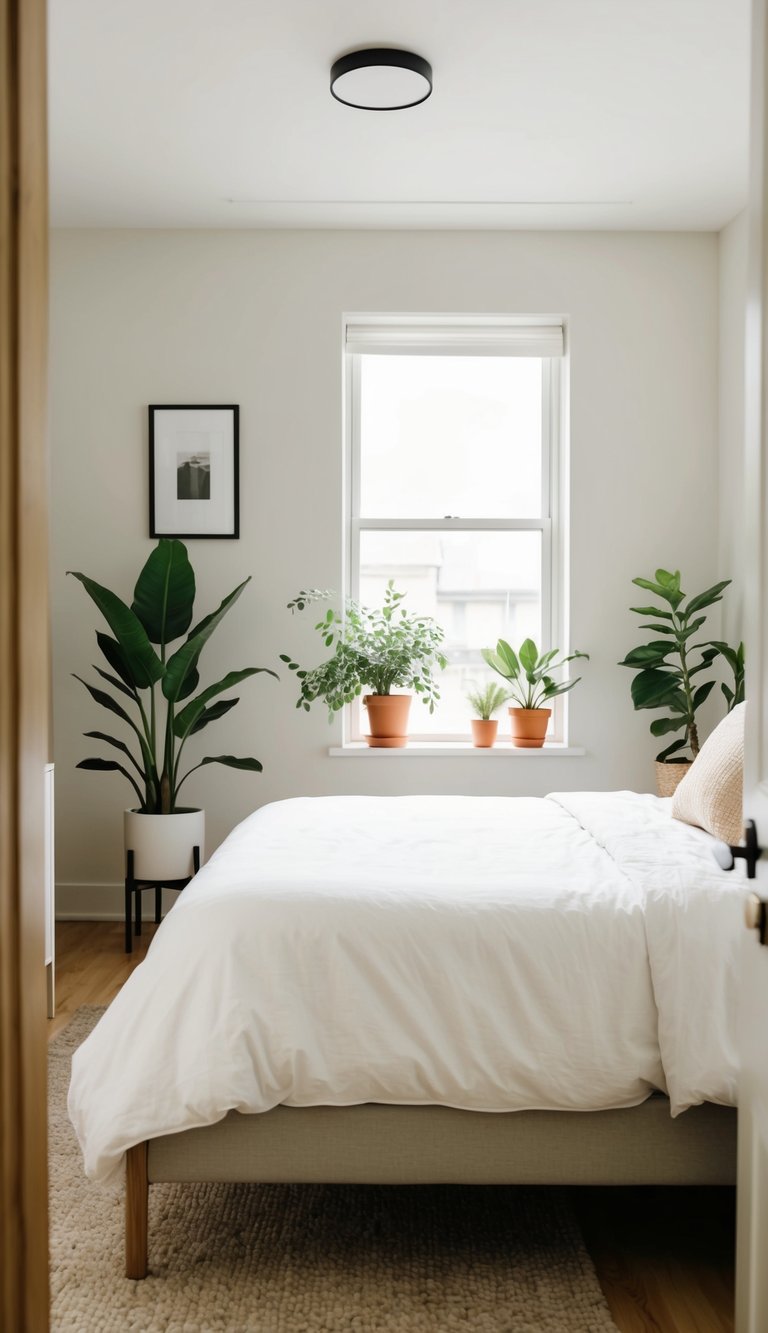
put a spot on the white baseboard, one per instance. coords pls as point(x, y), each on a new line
point(102, 902)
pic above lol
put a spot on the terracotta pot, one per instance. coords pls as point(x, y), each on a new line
point(669, 776)
point(162, 844)
point(388, 720)
point(484, 732)
point(529, 727)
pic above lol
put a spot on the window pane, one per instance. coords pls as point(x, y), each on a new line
point(480, 586)
point(457, 435)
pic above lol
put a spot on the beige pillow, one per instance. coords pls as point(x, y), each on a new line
point(712, 790)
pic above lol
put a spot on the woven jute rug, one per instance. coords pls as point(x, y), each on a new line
point(309, 1258)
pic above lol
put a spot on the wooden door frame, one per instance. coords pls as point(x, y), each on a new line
point(24, 664)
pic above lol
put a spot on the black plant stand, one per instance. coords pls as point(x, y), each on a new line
point(137, 887)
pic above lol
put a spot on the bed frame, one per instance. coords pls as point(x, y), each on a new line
point(399, 1145)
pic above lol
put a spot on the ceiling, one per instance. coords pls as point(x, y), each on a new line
point(617, 114)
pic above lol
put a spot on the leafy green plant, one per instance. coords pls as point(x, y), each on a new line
point(667, 667)
point(374, 649)
point(735, 659)
point(484, 702)
point(161, 612)
point(528, 671)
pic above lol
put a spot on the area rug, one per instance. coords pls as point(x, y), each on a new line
point(312, 1259)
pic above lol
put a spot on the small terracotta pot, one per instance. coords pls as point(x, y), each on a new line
point(388, 720)
point(669, 776)
point(529, 727)
point(484, 732)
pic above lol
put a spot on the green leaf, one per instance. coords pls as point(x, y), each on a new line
point(186, 657)
point(118, 745)
point(143, 662)
point(702, 693)
point(648, 654)
point(669, 594)
point(707, 657)
point(115, 683)
point(692, 629)
point(111, 766)
point(106, 700)
point(652, 688)
point(508, 656)
point(651, 610)
point(191, 682)
point(213, 714)
point(672, 749)
point(706, 598)
point(164, 595)
point(554, 688)
point(668, 580)
point(494, 661)
point(116, 658)
point(185, 721)
point(529, 655)
point(731, 655)
point(230, 761)
point(662, 726)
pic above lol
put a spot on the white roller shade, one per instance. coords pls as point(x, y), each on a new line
point(470, 338)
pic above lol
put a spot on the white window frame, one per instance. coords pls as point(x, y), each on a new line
point(552, 523)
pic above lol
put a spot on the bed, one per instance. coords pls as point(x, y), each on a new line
point(420, 989)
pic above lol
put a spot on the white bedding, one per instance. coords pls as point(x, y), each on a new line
point(574, 952)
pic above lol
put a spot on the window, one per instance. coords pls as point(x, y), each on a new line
point(453, 488)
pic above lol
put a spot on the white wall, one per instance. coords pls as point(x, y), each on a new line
point(255, 319)
point(733, 296)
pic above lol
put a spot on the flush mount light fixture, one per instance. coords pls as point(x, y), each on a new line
point(381, 79)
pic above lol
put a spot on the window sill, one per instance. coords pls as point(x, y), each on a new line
point(456, 750)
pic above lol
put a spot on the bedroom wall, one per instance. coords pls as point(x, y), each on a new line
point(732, 297)
point(255, 318)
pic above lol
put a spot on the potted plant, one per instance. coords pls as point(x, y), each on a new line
point(484, 703)
point(381, 649)
point(531, 686)
point(670, 666)
point(165, 710)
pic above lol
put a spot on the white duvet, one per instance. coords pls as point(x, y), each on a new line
point(575, 952)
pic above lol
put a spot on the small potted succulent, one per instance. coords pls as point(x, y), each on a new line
point(484, 703)
point(381, 649)
point(531, 686)
point(676, 674)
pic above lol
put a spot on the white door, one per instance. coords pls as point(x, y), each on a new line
point(752, 1239)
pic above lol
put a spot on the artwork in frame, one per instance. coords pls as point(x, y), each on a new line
point(194, 471)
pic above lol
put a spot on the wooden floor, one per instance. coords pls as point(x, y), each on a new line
point(665, 1257)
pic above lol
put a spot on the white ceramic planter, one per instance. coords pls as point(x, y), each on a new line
point(162, 844)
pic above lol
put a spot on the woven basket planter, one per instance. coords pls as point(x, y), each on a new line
point(669, 776)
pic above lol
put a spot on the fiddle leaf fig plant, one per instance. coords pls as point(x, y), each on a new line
point(530, 683)
point(379, 649)
point(159, 684)
point(670, 666)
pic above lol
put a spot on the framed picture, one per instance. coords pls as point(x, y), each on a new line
point(194, 472)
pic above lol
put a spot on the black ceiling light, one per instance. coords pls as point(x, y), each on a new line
point(380, 79)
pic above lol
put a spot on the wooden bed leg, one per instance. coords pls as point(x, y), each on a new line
point(136, 1211)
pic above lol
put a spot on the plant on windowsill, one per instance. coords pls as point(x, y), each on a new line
point(163, 721)
point(531, 685)
point(484, 703)
point(381, 649)
point(666, 668)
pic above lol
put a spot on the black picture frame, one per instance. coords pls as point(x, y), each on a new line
point(181, 503)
